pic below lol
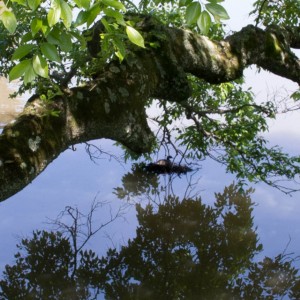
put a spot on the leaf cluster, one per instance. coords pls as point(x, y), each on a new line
point(48, 40)
point(44, 269)
point(225, 123)
point(276, 12)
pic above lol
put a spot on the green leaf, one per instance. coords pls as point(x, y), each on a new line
point(192, 13)
point(106, 25)
point(93, 13)
point(296, 96)
point(66, 13)
point(21, 2)
point(115, 4)
point(80, 38)
point(9, 20)
point(54, 36)
point(66, 44)
point(26, 38)
point(121, 49)
point(204, 22)
point(135, 37)
point(217, 11)
point(115, 14)
point(29, 74)
point(50, 52)
point(82, 17)
point(37, 25)
point(83, 3)
point(54, 13)
point(33, 4)
point(40, 66)
point(184, 2)
point(19, 69)
point(22, 51)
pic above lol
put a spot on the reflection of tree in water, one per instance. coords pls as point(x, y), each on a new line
point(189, 250)
point(140, 184)
point(137, 183)
point(182, 250)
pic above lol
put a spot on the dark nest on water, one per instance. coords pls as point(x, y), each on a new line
point(166, 166)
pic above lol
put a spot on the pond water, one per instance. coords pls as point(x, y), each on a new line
point(192, 249)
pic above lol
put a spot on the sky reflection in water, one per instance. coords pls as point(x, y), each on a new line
point(74, 180)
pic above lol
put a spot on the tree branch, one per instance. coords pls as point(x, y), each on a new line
point(112, 106)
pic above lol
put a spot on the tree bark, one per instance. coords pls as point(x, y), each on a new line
point(113, 105)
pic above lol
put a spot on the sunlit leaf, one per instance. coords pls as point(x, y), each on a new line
point(21, 2)
point(54, 13)
point(40, 66)
point(83, 3)
point(115, 4)
point(50, 52)
point(37, 25)
point(22, 51)
point(33, 4)
point(217, 11)
point(204, 22)
point(66, 13)
point(9, 20)
point(192, 13)
point(19, 69)
point(135, 37)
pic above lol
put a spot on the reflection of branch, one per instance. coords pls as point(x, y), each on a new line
point(82, 227)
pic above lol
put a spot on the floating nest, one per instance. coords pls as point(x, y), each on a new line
point(166, 166)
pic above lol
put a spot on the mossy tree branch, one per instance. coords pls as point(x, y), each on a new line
point(113, 104)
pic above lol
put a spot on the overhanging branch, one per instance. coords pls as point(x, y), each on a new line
point(112, 106)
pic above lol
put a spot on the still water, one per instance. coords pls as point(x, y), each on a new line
point(127, 234)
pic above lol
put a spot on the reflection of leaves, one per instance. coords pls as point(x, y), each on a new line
point(45, 269)
point(271, 278)
point(182, 250)
point(137, 182)
point(189, 250)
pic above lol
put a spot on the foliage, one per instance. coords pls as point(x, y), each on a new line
point(56, 264)
point(47, 37)
point(189, 250)
point(46, 45)
point(277, 12)
point(227, 125)
point(182, 250)
point(45, 269)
